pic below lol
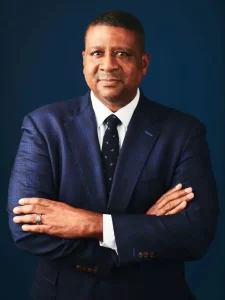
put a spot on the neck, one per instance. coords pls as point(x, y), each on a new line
point(116, 103)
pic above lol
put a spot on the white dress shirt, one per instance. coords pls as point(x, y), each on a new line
point(124, 114)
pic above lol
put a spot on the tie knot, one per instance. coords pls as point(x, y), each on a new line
point(112, 121)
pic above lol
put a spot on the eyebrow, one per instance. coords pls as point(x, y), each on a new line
point(113, 48)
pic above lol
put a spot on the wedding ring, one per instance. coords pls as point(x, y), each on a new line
point(39, 219)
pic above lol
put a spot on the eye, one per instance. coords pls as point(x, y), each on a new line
point(122, 53)
point(96, 53)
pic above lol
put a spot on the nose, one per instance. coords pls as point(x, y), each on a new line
point(108, 63)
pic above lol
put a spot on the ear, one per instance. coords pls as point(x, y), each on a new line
point(83, 54)
point(145, 62)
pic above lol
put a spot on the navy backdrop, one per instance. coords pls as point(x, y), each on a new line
point(42, 63)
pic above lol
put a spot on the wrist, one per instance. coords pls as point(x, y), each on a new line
point(95, 226)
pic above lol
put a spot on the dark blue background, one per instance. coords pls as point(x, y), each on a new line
point(42, 63)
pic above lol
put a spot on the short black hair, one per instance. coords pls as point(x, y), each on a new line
point(119, 18)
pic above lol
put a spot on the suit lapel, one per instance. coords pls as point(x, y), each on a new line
point(82, 134)
point(140, 139)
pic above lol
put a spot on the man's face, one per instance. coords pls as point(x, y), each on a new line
point(114, 62)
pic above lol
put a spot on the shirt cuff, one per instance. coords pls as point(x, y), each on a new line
point(108, 234)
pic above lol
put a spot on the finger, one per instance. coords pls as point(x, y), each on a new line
point(177, 209)
point(27, 219)
point(174, 195)
point(176, 188)
point(36, 228)
point(30, 209)
point(172, 204)
point(39, 201)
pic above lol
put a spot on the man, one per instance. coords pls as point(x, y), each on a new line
point(115, 191)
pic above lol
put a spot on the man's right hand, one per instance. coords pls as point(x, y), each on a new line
point(172, 202)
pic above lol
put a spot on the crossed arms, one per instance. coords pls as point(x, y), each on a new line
point(71, 235)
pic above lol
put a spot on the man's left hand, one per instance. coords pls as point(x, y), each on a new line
point(58, 219)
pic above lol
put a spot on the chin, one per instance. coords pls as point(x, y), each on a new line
point(109, 93)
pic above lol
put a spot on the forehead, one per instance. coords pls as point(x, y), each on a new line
point(101, 35)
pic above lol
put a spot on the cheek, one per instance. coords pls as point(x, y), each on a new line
point(135, 75)
point(87, 73)
point(133, 70)
point(90, 69)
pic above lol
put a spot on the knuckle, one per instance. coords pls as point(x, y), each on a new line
point(164, 201)
point(164, 210)
point(40, 229)
point(32, 208)
point(167, 198)
point(168, 206)
point(34, 219)
point(177, 202)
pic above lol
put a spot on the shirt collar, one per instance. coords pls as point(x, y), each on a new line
point(124, 114)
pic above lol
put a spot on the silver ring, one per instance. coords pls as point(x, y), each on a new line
point(38, 219)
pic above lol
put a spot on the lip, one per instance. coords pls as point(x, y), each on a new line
point(109, 83)
point(109, 80)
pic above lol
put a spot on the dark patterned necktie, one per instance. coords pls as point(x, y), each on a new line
point(110, 149)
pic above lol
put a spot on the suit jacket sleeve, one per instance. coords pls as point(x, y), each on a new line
point(32, 176)
point(185, 235)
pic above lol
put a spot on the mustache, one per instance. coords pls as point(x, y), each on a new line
point(110, 76)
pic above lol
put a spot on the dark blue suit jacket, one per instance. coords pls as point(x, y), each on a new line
point(59, 159)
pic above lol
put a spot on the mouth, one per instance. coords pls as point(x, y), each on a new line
point(109, 82)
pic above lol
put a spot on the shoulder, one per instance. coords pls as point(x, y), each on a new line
point(172, 117)
point(66, 108)
point(60, 112)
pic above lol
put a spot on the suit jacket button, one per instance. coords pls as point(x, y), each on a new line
point(140, 255)
point(78, 267)
point(145, 254)
point(151, 253)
